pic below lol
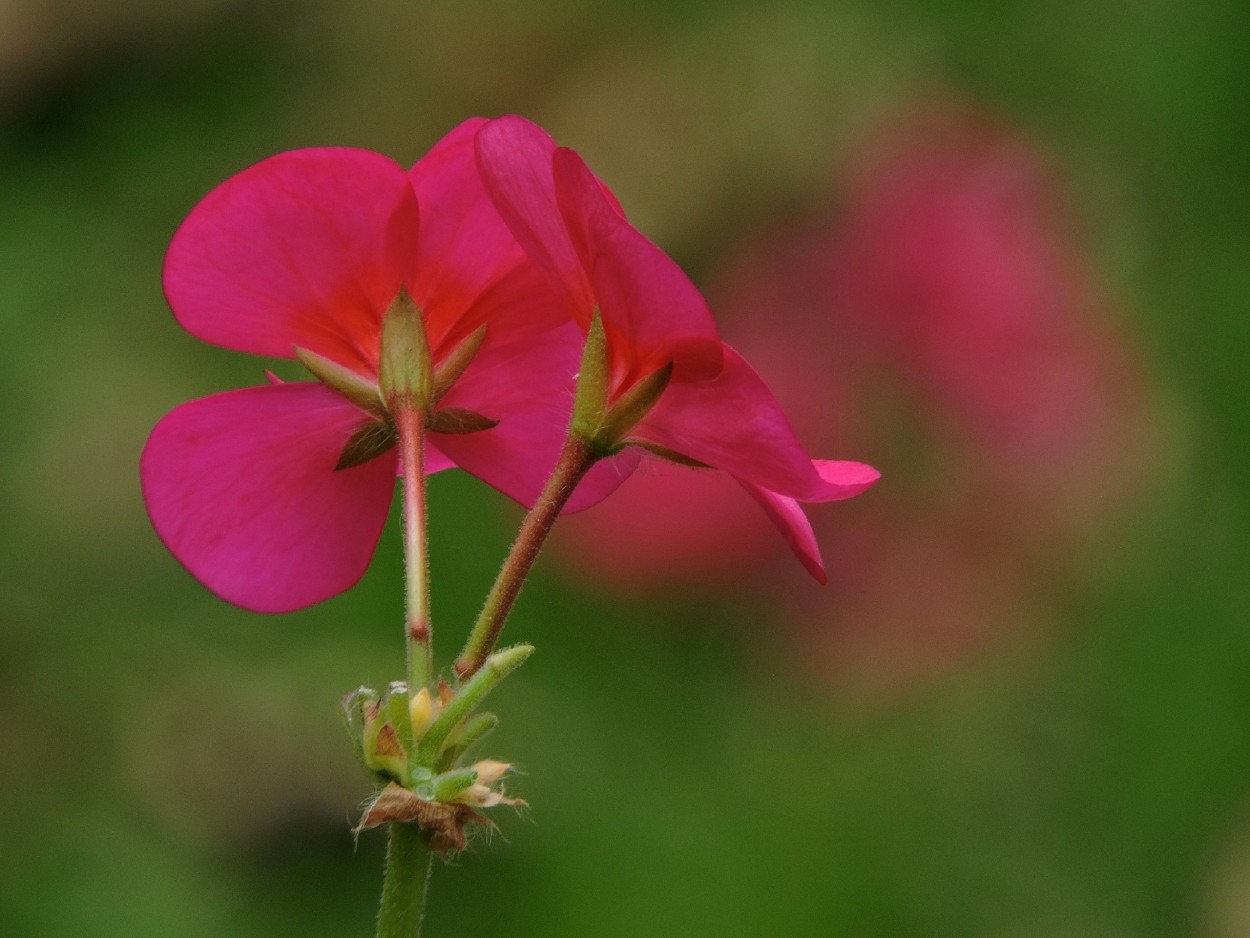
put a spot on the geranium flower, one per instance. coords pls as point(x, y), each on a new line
point(671, 385)
point(275, 496)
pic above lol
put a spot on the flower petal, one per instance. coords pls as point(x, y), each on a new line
point(242, 489)
point(306, 248)
point(733, 422)
point(651, 311)
point(467, 256)
point(843, 479)
point(515, 159)
point(792, 522)
point(526, 383)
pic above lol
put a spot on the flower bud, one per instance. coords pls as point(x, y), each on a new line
point(405, 368)
point(422, 708)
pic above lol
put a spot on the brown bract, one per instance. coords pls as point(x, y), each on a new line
point(444, 823)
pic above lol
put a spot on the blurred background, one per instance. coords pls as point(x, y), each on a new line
point(998, 251)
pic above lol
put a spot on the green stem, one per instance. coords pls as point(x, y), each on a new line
point(408, 864)
point(410, 424)
point(575, 461)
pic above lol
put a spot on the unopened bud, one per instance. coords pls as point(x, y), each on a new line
point(405, 368)
point(423, 709)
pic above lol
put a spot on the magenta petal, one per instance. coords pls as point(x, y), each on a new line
point(603, 479)
point(651, 311)
point(526, 383)
point(242, 489)
point(734, 423)
point(306, 248)
point(515, 160)
point(464, 246)
point(843, 479)
point(435, 460)
point(792, 522)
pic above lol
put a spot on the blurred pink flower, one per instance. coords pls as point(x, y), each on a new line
point(307, 250)
point(957, 264)
point(715, 411)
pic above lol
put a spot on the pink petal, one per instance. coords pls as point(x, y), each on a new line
point(515, 160)
point(733, 422)
point(651, 311)
point(843, 479)
point(435, 459)
point(517, 306)
point(465, 249)
point(792, 522)
point(526, 383)
point(604, 478)
point(242, 489)
point(306, 248)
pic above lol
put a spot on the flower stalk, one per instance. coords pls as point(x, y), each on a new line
point(575, 461)
point(408, 864)
point(406, 383)
point(418, 626)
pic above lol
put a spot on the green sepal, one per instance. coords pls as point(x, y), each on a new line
point(460, 420)
point(591, 399)
point(368, 441)
point(465, 736)
point(450, 784)
point(454, 364)
point(632, 406)
point(671, 455)
point(356, 388)
point(397, 712)
point(405, 368)
point(471, 693)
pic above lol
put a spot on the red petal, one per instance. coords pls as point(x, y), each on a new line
point(842, 479)
point(788, 516)
point(526, 383)
point(651, 311)
point(733, 422)
point(515, 159)
point(467, 272)
point(242, 489)
point(306, 248)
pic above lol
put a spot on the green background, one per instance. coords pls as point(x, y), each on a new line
point(170, 765)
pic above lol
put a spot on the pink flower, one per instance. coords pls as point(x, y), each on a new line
point(308, 250)
point(714, 410)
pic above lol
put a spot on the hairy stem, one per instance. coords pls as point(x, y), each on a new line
point(575, 461)
point(408, 864)
point(409, 422)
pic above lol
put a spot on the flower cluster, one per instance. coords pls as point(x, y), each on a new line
point(546, 321)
